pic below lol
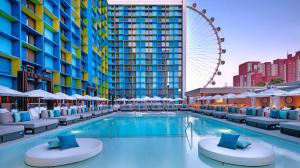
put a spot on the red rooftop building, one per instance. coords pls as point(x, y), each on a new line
point(253, 72)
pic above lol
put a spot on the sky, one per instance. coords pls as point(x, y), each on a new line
point(254, 30)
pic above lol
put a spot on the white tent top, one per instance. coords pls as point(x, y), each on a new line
point(146, 98)
point(216, 97)
point(5, 91)
point(78, 97)
point(179, 99)
point(156, 98)
point(272, 92)
point(88, 97)
point(121, 99)
point(295, 92)
point(246, 94)
point(42, 94)
point(229, 96)
point(64, 96)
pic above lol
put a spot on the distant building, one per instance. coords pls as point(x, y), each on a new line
point(253, 72)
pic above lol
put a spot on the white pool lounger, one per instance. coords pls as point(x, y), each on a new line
point(255, 155)
point(41, 156)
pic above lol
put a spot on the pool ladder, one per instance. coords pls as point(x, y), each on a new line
point(190, 140)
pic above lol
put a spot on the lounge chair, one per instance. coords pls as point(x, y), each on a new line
point(84, 113)
point(241, 118)
point(272, 122)
point(11, 132)
point(33, 126)
point(157, 107)
point(290, 128)
point(127, 108)
point(222, 114)
point(170, 107)
point(184, 107)
point(67, 116)
point(110, 109)
point(200, 110)
point(210, 110)
point(141, 107)
point(96, 112)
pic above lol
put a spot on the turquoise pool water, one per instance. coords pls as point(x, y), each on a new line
point(152, 141)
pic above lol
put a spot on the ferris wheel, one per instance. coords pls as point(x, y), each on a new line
point(204, 50)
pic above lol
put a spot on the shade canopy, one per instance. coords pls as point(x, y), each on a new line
point(156, 98)
point(42, 94)
point(121, 99)
point(295, 92)
point(5, 91)
point(272, 92)
point(229, 96)
point(246, 94)
point(216, 97)
point(78, 97)
point(146, 98)
point(179, 99)
point(64, 96)
point(166, 99)
point(88, 97)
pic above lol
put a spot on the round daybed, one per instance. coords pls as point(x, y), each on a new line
point(254, 155)
point(41, 156)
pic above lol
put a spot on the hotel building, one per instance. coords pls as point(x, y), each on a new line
point(106, 48)
point(251, 73)
point(146, 48)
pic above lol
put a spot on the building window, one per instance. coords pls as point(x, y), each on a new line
point(28, 4)
point(30, 38)
point(63, 44)
point(63, 80)
point(63, 68)
point(62, 19)
point(30, 22)
point(30, 55)
point(63, 56)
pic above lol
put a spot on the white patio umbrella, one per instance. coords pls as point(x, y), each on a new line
point(229, 96)
point(246, 94)
point(156, 98)
point(121, 100)
point(166, 99)
point(146, 98)
point(295, 92)
point(179, 99)
point(64, 96)
point(39, 93)
point(88, 97)
point(5, 91)
point(78, 97)
point(216, 97)
point(272, 92)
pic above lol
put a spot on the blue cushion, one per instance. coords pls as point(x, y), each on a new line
point(73, 111)
point(17, 117)
point(242, 144)
point(283, 114)
point(51, 113)
point(274, 113)
point(25, 116)
point(69, 111)
point(67, 141)
point(53, 144)
point(228, 140)
point(57, 113)
point(86, 110)
point(248, 111)
point(254, 112)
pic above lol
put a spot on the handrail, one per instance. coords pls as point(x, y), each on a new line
point(190, 124)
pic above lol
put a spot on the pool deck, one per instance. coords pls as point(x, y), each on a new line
point(274, 133)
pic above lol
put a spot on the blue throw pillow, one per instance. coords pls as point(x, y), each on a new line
point(57, 113)
point(54, 144)
point(228, 141)
point(51, 113)
point(248, 111)
point(242, 144)
point(25, 116)
point(67, 142)
point(17, 117)
point(283, 114)
point(254, 112)
point(73, 111)
point(86, 110)
point(274, 113)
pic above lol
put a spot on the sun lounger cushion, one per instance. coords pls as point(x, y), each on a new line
point(25, 116)
point(67, 142)
point(35, 123)
point(6, 117)
point(17, 117)
point(283, 114)
point(10, 129)
point(44, 114)
point(265, 120)
point(291, 125)
point(293, 115)
point(228, 141)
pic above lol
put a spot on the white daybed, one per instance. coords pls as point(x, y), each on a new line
point(41, 156)
point(254, 155)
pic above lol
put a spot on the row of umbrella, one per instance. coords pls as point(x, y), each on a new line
point(146, 98)
point(265, 93)
point(5, 91)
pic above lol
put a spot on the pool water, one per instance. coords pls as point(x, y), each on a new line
point(153, 141)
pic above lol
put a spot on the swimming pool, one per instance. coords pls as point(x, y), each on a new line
point(150, 141)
